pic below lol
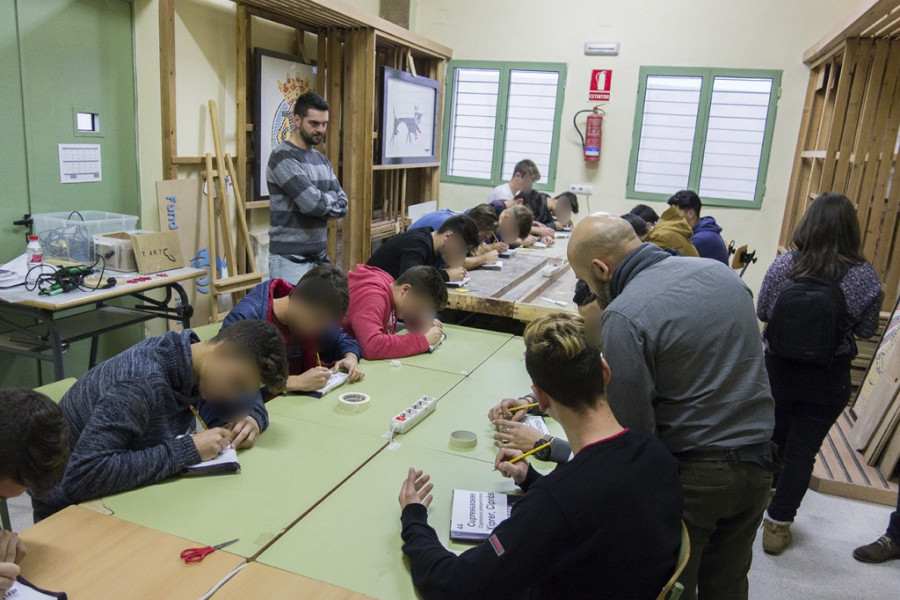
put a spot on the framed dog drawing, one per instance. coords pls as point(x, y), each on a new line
point(409, 118)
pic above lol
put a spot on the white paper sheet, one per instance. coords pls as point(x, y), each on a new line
point(537, 423)
point(23, 592)
point(336, 380)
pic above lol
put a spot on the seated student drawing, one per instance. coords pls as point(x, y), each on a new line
point(485, 220)
point(130, 419)
point(555, 213)
point(604, 525)
point(445, 249)
point(511, 431)
point(378, 302)
point(308, 317)
point(537, 203)
point(33, 456)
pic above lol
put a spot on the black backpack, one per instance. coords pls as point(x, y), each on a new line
point(809, 321)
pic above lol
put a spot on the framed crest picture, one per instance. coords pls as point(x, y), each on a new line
point(409, 115)
point(280, 80)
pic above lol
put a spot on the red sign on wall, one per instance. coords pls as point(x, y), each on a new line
point(600, 83)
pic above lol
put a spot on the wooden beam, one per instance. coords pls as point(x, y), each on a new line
point(866, 14)
point(241, 182)
point(358, 122)
point(842, 99)
point(795, 201)
point(329, 82)
point(845, 155)
point(337, 13)
point(167, 86)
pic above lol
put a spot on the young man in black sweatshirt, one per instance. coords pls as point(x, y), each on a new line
point(444, 249)
point(604, 525)
point(130, 418)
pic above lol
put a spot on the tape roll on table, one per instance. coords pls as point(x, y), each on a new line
point(353, 402)
point(463, 439)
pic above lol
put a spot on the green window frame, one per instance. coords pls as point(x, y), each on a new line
point(501, 114)
point(701, 131)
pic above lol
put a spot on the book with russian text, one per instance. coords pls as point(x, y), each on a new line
point(475, 515)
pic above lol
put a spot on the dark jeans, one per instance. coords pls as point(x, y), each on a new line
point(893, 530)
point(808, 400)
point(723, 507)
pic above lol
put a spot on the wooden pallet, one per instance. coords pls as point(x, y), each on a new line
point(842, 471)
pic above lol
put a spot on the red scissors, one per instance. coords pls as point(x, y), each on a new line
point(195, 555)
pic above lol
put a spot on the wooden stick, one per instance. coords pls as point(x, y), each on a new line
point(243, 229)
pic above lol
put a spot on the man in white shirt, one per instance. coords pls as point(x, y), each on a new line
point(525, 174)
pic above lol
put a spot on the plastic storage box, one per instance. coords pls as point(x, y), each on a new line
point(69, 236)
point(117, 250)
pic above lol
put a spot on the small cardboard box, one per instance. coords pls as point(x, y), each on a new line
point(155, 252)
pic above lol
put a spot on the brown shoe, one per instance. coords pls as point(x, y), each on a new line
point(881, 550)
point(776, 538)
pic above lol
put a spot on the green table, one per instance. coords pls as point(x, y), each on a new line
point(353, 539)
point(56, 390)
point(391, 389)
point(293, 465)
point(464, 350)
point(503, 375)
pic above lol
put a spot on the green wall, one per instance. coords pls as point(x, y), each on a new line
point(59, 56)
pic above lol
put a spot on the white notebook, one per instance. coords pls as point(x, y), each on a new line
point(497, 266)
point(538, 423)
point(225, 462)
point(336, 380)
point(456, 284)
point(474, 515)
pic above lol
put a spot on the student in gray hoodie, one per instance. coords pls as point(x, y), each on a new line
point(682, 338)
point(130, 419)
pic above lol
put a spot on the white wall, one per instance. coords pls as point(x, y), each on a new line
point(767, 34)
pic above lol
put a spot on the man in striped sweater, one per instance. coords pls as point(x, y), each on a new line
point(304, 193)
point(131, 421)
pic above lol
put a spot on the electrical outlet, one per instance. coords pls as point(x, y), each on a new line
point(411, 417)
point(582, 188)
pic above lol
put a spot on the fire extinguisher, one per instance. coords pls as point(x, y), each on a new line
point(593, 133)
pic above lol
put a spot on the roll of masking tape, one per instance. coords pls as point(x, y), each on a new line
point(463, 440)
point(353, 402)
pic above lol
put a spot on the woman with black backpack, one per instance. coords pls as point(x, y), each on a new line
point(813, 301)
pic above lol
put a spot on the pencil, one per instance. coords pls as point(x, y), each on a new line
point(496, 239)
point(318, 360)
point(515, 408)
point(529, 453)
point(199, 418)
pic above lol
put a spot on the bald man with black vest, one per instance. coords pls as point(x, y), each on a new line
point(682, 338)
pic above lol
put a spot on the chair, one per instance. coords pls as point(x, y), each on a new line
point(673, 588)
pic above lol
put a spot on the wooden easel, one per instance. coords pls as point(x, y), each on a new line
point(218, 220)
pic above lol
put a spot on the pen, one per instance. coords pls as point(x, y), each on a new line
point(529, 453)
point(515, 408)
point(199, 418)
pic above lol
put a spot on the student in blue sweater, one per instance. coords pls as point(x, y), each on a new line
point(130, 419)
point(308, 317)
point(707, 235)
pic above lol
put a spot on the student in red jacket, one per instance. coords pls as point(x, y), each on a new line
point(377, 302)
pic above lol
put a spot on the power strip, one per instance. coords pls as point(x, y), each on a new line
point(413, 415)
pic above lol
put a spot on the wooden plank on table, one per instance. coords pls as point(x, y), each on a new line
point(257, 580)
point(870, 108)
point(519, 278)
point(854, 109)
point(839, 127)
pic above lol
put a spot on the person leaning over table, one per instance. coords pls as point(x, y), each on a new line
point(682, 338)
point(131, 421)
point(512, 433)
point(604, 525)
point(33, 457)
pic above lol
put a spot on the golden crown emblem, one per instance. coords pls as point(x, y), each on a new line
point(293, 86)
